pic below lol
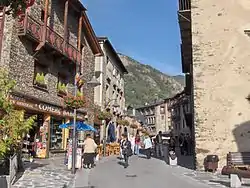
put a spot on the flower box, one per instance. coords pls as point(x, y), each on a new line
point(40, 81)
point(74, 102)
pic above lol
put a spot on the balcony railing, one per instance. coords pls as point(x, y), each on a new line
point(33, 29)
point(184, 5)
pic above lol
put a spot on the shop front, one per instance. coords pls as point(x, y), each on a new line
point(46, 136)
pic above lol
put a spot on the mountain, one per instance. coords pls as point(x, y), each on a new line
point(145, 84)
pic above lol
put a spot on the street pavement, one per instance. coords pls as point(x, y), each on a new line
point(142, 173)
point(47, 173)
point(110, 173)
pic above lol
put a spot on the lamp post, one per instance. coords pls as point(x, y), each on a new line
point(92, 83)
point(104, 124)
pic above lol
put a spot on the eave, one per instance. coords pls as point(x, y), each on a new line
point(91, 37)
point(184, 17)
point(113, 51)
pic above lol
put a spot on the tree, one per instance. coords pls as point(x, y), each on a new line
point(13, 125)
point(16, 7)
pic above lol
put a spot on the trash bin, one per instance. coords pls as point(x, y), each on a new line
point(211, 163)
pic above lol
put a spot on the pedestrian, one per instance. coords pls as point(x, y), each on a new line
point(132, 141)
point(126, 149)
point(172, 144)
point(181, 143)
point(89, 152)
point(137, 144)
point(147, 146)
point(158, 145)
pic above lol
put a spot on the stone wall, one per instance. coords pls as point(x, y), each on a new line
point(19, 56)
point(88, 68)
point(221, 77)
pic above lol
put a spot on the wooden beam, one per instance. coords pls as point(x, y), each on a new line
point(66, 10)
point(45, 21)
point(80, 33)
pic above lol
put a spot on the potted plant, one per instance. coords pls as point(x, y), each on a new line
point(79, 94)
point(119, 122)
point(61, 89)
point(74, 102)
point(126, 122)
point(40, 80)
point(105, 115)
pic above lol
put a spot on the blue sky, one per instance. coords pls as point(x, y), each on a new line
point(148, 32)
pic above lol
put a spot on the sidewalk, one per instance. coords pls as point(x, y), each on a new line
point(47, 173)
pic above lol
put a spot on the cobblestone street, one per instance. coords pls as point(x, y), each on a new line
point(49, 173)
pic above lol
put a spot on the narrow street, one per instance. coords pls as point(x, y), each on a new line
point(141, 173)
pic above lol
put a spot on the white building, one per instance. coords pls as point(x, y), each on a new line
point(110, 72)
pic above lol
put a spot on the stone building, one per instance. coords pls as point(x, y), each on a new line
point(110, 73)
point(42, 50)
point(179, 110)
point(156, 116)
point(215, 55)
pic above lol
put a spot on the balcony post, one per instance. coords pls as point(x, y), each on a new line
point(80, 38)
point(42, 42)
point(66, 8)
point(80, 33)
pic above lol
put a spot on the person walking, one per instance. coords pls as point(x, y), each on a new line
point(147, 146)
point(132, 141)
point(89, 152)
point(181, 143)
point(126, 149)
point(158, 145)
point(137, 144)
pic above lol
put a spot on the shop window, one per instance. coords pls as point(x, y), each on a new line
point(56, 134)
point(40, 73)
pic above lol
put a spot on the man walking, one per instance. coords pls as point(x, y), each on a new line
point(158, 145)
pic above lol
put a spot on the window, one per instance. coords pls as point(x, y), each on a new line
point(40, 75)
point(162, 117)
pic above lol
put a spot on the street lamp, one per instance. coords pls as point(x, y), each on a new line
point(92, 83)
point(116, 105)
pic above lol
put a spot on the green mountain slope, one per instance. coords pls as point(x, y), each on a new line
point(144, 83)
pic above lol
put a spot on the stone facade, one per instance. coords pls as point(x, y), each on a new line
point(179, 110)
point(19, 57)
point(220, 77)
point(156, 116)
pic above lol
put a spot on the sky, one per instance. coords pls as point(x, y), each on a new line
point(147, 32)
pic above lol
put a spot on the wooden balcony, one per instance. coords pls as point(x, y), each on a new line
point(33, 30)
point(184, 5)
point(184, 17)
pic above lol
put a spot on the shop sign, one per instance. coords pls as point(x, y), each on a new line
point(42, 107)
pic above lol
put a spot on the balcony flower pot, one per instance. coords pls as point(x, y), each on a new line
point(133, 126)
point(40, 80)
point(105, 115)
point(61, 89)
point(74, 102)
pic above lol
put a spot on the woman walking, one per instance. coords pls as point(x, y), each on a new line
point(126, 149)
point(89, 152)
point(137, 144)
